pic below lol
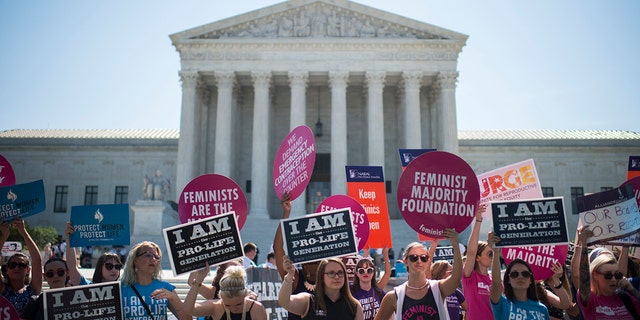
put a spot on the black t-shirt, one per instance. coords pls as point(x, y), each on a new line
point(338, 310)
point(424, 308)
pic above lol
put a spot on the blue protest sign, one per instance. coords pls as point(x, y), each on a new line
point(22, 200)
point(100, 225)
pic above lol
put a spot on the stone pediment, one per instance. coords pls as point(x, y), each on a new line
point(317, 19)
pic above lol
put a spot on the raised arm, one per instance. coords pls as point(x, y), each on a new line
point(34, 252)
point(190, 306)
point(70, 253)
point(387, 268)
point(5, 231)
point(496, 281)
point(432, 251)
point(623, 260)
point(278, 242)
point(294, 303)
point(472, 245)
point(449, 284)
point(558, 296)
point(585, 275)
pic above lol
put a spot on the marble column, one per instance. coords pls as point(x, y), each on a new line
point(375, 117)
point(448, 126)
point(412, 128)
point(186, 166)
point(338, 81)
point(224, 123)
point(298, 114)
point(260, 145)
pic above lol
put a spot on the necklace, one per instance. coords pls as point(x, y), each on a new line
point(418, 288)
point(309, 286)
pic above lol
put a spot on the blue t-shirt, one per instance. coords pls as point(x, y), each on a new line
point(524, 310)
point(132, 307)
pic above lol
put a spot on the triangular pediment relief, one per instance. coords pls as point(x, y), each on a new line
point(318, 19)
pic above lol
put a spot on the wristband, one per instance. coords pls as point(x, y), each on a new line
point(478, 220)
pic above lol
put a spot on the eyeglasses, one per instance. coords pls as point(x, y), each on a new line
point(609, 275)
point(333, 274)
point(60, 273)
point(110, 266)
point(149, 255)
point(515, 274)
point(13, 265)
point(367, 270)
point(414, 257)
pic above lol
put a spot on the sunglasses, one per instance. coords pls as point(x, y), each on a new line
point(60, 273)
point(13, 265)
point(609, 275)
point(333, 274)
point(110, 266)
point(367, 270)
point(515, 274)
point(149, 256)
point(414, 257)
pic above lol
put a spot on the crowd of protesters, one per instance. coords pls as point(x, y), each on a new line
point(596, 284)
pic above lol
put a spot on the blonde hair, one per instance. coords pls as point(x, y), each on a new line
point(129, 272)
point(598, 262)
point(439, 269)
point(233, 282)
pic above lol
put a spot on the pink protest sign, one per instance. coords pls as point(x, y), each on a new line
point(294, 162)
point(8, 310)
point(539, 258)
point(210, 195)
point(360, 220)
point(438, 190)
point(7, 176)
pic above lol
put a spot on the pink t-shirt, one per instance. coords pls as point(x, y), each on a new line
point(607, 308)
point(477, 291)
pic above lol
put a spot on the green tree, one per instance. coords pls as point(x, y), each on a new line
point(41, 235)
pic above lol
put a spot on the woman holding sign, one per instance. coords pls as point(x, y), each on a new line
point(519, 289)
point(366, 288)
point(418, 297)
point(144, 295)
point(599, 297)
point(56, 274)
point(331, 299)
point(234, 303)
point(476, 279)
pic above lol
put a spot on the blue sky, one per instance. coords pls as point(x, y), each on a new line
point(527, 64)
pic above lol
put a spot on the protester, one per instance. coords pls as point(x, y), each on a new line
point(144, 295)
point(476, 279)
point(20, 280)
point(304, 279)
point(47, 253)
point(270, 263)
point(519, 296)
point(366, 288)
point(57, 276)
point(598, 294)
point(234, 302)
point(250, 252)
point(107, 268)
point(555, 293)
point(456, 303)
point(331, 299)
point(420, 298)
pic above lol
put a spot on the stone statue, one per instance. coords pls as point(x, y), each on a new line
point(157, 187)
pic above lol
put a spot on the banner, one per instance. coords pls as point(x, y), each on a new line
point(359, 217)
point(22, 200)
point(212, 240)
point(10, 248)
point(7, 176)
point(366, 185)
point(100, 225)
point(438, 190)
point(633, 170)
point(530, 222)
point(444, 253)
point(539, 258)
point(610, 214)
point(93, 301)
point(210, 195)
point(293, 165)
point(634, 239)
point(266, 284)
point(319, 236)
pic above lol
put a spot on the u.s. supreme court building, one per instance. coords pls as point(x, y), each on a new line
point(367, 82)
